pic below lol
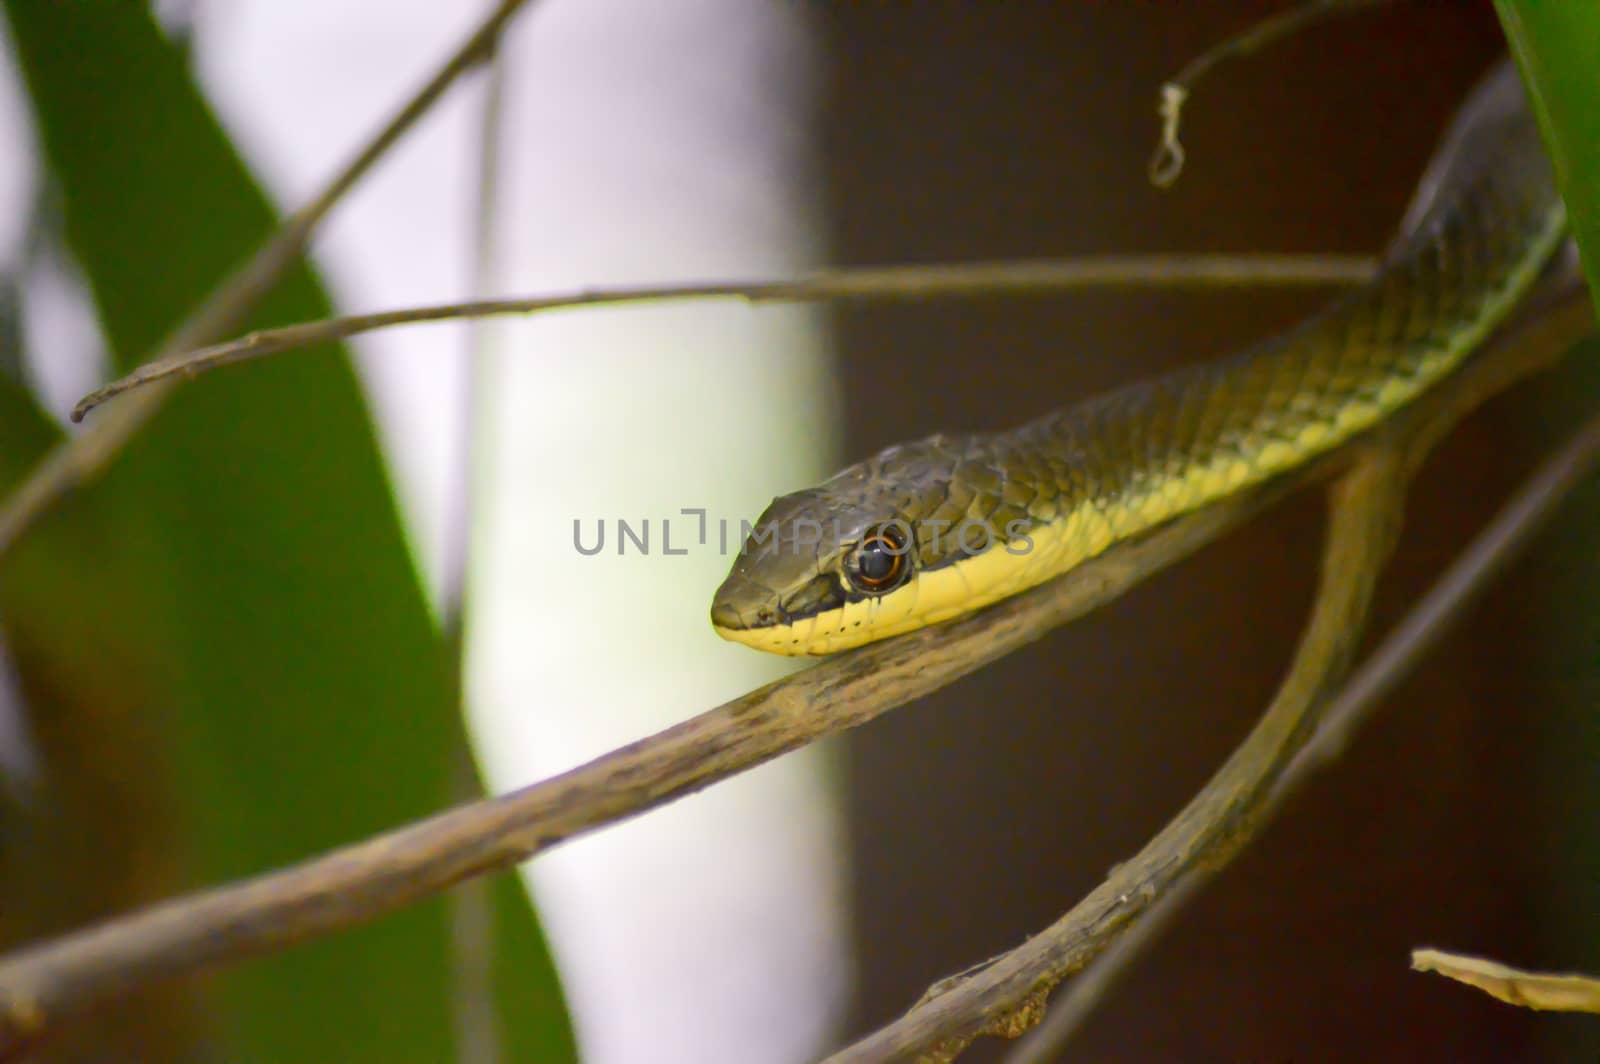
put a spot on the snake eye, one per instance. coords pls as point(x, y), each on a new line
point(881, 561)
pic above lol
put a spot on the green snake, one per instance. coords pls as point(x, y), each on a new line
point(931, 530)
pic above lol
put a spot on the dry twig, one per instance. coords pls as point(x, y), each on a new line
point(876, 283)
point(1531, 990)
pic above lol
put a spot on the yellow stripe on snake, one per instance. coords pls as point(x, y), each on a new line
point(927, 531)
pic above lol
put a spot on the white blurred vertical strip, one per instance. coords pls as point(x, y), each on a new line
point(65, 351)
point(17, 170)
point(645, 142)
point(18, 760)
point(656, 142)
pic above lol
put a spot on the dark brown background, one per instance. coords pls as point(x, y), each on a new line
point(1464, 817)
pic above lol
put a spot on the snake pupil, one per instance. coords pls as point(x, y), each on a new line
point(880, 561)
point(877, 564)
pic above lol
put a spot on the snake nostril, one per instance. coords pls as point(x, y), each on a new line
point(725, 614)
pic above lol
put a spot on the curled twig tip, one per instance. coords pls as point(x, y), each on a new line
point(1167, 163)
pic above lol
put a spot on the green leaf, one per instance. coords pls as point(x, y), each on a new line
point(26, 431)
point(288, 660)
point(1557, 46)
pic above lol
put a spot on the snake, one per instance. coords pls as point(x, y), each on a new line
point(931, 530)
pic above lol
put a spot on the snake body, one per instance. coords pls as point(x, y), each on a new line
point(930, 530)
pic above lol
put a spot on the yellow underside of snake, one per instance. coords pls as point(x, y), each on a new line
point(928, 531)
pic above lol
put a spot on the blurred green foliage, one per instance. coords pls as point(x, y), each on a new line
point(1557, 47)
point(228, 660)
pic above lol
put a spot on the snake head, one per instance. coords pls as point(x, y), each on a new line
point(803, 562)
point(866, 554)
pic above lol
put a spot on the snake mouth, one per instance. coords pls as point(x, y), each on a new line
point(735, 618)
point(742, 604)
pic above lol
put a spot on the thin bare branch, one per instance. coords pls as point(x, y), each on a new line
point(1468, 576)
point(470, 907)
point(881, 283)
point(1089, 988)
point(76, 461)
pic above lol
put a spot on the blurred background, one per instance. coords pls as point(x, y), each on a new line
point(260, 634)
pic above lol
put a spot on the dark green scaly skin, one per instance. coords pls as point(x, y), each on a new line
point(1120, 464)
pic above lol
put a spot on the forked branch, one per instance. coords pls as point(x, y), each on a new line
point(1401, 649)
point(1007, 996)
